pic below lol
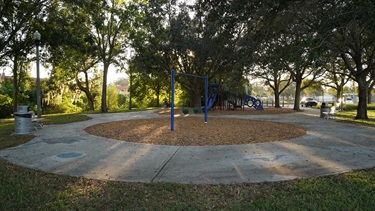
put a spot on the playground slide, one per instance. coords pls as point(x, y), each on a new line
point(211, 99)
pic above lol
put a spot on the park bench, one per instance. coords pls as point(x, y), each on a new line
point(37, 122)
point(330, 114)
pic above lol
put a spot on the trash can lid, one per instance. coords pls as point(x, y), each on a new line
point(23, 108)
point(23, 114)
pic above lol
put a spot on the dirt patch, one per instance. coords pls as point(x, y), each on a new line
point(192, 131)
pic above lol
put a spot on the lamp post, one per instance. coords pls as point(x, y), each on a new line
point(38, 94)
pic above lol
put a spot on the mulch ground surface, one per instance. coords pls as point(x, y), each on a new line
point(192, 131)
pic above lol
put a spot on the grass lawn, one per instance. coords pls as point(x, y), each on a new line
point(27, 189)
point(349, 115)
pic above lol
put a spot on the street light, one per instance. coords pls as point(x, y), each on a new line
point(39, 99)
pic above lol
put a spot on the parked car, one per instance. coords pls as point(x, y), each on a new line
point(308, 102)
point(349, 100)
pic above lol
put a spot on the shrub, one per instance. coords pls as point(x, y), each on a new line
point(121, 101)
point(353, 107)
point(65, 107)
point(371, 106)
point(5, 106)
point(350, 107)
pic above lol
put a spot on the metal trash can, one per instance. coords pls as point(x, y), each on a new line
point(23, 120)
point(323, 109)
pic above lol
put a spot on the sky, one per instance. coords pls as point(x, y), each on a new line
point(44, 73)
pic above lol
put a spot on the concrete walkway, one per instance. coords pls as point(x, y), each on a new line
point(329, 147)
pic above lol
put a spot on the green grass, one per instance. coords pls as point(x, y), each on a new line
point(25, 189)
point(8, 139)
point(28, 189)
point(64, 118)
point(348, 116)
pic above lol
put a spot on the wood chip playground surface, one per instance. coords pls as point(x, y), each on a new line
point(190, 130)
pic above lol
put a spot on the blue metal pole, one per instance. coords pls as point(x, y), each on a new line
point(172, 103)
point(206, 99)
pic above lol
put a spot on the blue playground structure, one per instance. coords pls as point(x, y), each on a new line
point(173, 73)
point(251, 101)
point(233, 105)
point(214, 90)
point(248, 100)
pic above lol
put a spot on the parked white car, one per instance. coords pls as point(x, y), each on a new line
point(308, 102)
point(349, 100)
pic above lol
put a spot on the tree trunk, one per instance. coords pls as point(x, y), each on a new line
point(15, 84)
point(104, 89)
point(86, 90)
point(130, 91)
point(197, 101)
point(362, 95)
point(195, 98)
point(277, 95)
point(297, 96)
point(90, 101)
point(158, 96)
point(339, 95)
point(277, 100)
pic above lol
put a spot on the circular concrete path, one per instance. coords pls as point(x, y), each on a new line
point(329, 147)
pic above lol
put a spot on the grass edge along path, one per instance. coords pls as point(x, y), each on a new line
point(27, 189)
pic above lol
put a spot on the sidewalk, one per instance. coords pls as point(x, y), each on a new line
point(329, 147)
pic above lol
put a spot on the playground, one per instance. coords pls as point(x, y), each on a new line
point(190, 130)
point(323, 147)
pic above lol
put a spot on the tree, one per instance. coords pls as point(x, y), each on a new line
point(277, 81)
point(200, 46)
point(268, 67)
point(72, 51)
point(149, 62)
point(17, 19)
point(336, 77)
point(297, 27)
point(346, 30)
point(15, 22)
point(110, 24)
point(131, 75)
point(122, 82)
point(299, 61)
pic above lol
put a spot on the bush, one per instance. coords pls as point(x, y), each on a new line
point(350, 107)
point(371, 106)
point(353, 107)
point(152, 103)
point(121, 101)
point(5, 106)
point(185, 110)
point(65, 107)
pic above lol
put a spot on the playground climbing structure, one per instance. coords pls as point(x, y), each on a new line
point(251, 101)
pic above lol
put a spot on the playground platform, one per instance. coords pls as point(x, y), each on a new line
point(329, 147)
